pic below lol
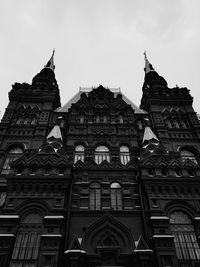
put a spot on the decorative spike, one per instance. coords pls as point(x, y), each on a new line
point(148, 66)
point(50, 63)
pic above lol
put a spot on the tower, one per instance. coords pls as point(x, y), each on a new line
point(170, 170)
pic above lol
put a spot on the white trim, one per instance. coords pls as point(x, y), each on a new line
point(143, 250)
point(8, 235)
point(59, 217)
point(9, 216)
point(197, 218)
point(75, 251)
point(159, 218)
point(52, 235)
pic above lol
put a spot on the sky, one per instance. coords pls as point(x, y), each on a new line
point(100, 42)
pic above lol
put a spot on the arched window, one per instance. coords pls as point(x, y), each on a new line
point(102, 153)
point(121, 120)
point(26, 248)
point(124, 155)
point(79, 153)
point(98, 119)
point(116, 196)
point(95, 196)
point(82, 119)
point(12, 155)
point(186, 154)
point(187, 247)
point(178, 172)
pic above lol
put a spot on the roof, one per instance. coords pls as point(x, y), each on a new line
point(116, 91)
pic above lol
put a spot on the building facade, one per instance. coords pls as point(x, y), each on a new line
point(99, 181)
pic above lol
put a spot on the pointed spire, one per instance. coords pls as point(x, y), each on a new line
point(55, 133)
point(148, 66)
point(50, 63)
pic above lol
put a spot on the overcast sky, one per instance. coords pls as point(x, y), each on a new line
point(100, 42)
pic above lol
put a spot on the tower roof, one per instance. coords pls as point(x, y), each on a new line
point(55, 133)
point(149, 135)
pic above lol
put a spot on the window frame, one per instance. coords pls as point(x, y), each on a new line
point(116, 196)
point(102, 153)
point(95, 196)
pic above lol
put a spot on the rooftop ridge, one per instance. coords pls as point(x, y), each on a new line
point(88, 89)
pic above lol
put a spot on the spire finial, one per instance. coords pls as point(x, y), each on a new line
point(50, 63)
point(145, 55)
point(148, 66)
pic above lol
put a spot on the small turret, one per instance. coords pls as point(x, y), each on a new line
point(46, 77)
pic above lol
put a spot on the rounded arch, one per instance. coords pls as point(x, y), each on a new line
point(102, 148)
point(79, 148)
point(27, 205)
point(32, 216)
point(79, 153)
point(185, 238)
point(13, 152)
point(188, 153)
point(179, 205)
point(15, 145)
point(115, 185)
point(95, 185)
point(188, 147)
point(108, 232)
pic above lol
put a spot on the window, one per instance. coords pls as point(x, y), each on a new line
point(98, 119)
point(79, 153)
point(186, 154)
point(95, 196)
point(164, 172)
point(178, 172)
point(116, 196)
point(151, 172)
point(124, 155)
point(191, 172)
point(187, 247)
point(105, 119)
point(121, 120)
point(26, 248)
point(102, 153)
point(12, 155)
point(82, 119)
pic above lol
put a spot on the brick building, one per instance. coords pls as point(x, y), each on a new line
point(99, 181)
